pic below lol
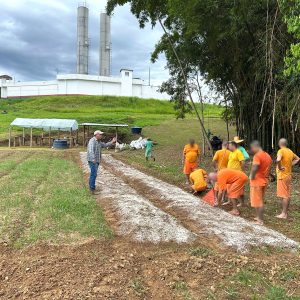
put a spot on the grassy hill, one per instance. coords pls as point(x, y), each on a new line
point(104, 109)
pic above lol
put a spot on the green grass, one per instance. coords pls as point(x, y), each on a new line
point(200, 252)
point(104, 109)
point(43, 197)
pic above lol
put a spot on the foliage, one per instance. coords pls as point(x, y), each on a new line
point(239, 48)
point(291, 10)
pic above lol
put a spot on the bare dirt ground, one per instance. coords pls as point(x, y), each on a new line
point(165, 248)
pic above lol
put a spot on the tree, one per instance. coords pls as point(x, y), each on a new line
point(239, 47)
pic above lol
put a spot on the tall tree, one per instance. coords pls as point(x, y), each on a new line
point(239, 46)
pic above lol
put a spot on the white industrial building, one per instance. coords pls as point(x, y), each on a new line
point(80, 84)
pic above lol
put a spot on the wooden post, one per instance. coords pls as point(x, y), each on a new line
point(71, 138)
point(9, 137)
point(23, 136)
point(83, 135)
point(116, 138)
point(58, 133)
point(77, 136)
point(31, 137)
point(42, 138)
point(88, 132)
point(14, 142)
point(50, 137)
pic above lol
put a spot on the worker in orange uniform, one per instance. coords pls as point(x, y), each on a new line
point(191, 156)
point(198, 180)
point(236, 181)
point(220, 162)
point(259, 179)
point(286, 159)
point(236, 161)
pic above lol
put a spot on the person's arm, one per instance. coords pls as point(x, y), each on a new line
point(220, 197)
point(253, 172)
point(215, 165)
point(106, 145)
point(278, 162)
point(242, 162)
point(295, 160)
point(92, 151)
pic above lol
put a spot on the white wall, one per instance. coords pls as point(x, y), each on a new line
point(77, 84)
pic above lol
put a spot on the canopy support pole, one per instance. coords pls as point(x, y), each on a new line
point(23, 136)
point(83, 135)
point(116, 139)
point(71, 138)
point(49, 137)
point(9, 137)
point(31, 137)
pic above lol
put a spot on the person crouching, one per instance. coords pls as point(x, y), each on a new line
point(198, 181)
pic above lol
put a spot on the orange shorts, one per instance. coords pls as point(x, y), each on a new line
point(257, 194)
point(284, 187)
point(189, 167)
point(236, 189)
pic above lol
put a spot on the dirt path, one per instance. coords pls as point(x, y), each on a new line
point(198, 217)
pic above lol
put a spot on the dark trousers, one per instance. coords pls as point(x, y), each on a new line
point(93, 174)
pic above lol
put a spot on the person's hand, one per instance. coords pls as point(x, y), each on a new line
point(282, 168)
point(94, 161)
point(114, 140)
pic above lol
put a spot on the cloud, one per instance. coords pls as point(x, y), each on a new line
point(38, 39)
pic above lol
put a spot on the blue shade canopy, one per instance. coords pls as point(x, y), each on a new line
point(46, 124)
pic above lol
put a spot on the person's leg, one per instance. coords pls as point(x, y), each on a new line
point(260, 215)
point(234, 210)
point(284, 191)
point(93, 175)
point(285, 208)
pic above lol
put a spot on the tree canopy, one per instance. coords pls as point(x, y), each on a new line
point(248, 51)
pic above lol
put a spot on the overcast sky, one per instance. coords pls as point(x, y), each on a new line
point(38, 39)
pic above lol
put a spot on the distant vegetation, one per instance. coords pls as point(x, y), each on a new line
point(104, 109)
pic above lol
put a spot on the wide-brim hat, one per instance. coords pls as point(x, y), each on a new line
point(237, 140)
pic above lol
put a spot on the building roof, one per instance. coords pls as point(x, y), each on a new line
point(46, 124)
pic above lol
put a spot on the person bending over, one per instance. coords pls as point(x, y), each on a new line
point(236, 181)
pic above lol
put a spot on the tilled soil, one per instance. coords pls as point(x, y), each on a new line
point(162, 250)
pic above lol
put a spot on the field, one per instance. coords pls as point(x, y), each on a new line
point(59, 242)
point(104, 109)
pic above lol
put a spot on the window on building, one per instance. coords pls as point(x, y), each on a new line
point(127, 74)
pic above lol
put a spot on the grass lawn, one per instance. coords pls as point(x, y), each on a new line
point(103, 109)
point(43, 197)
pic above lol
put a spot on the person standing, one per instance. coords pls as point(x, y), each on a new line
point(259, 179)
point(286, 159)
point(94, 151)
point(220, 162)
point(191, 155)
point(241, 148)
point(148, 150)
point(236, 162)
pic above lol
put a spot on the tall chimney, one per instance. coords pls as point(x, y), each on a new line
point(82, 39)
point(105, 45)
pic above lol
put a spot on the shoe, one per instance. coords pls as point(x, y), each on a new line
point(93, 192)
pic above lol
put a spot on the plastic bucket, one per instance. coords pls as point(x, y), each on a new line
point(60, 144)
point(136, 130)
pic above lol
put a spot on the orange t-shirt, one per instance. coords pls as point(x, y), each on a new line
point(286, 162)
point(229, 176)
point(222, 158)
point(198, 180)
point(191, 152)
point(264, 161)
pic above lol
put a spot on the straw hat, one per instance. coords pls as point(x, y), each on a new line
point(237, 140)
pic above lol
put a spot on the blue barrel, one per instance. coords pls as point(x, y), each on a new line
point(60, 144)
point(136, 130)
